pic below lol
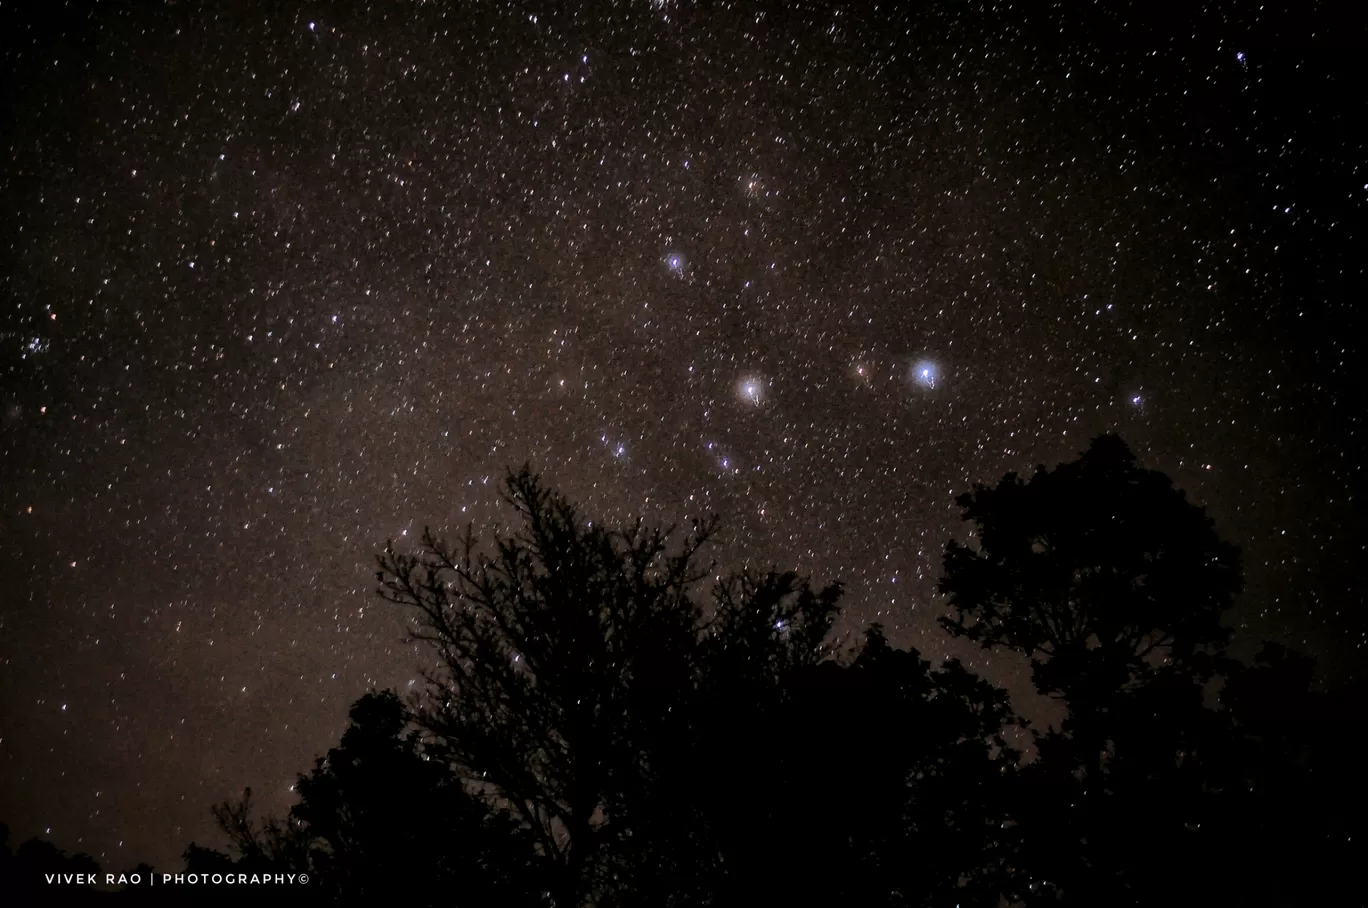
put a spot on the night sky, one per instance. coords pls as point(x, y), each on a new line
point(280, 282)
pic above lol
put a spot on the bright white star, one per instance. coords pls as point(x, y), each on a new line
point(925, 374)
point(751, 390)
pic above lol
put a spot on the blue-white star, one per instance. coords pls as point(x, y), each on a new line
point(751, 390)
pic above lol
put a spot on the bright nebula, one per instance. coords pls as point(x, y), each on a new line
point(925, 374)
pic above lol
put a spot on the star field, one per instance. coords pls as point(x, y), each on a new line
point(282, 282)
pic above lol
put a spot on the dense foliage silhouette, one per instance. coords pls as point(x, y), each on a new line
point(1113, 585)
point(610, 722)
point(24, 870)
point(377, 819)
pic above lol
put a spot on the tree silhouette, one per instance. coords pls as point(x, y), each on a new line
point(1100, 571)
point(377, 818)
point(870, 781)
point(603, 725)
point(559, 656)
point(1296, 792)
point(657, 750)
point(758, 630)
point(23, 872)
point(377, 810)
point(1113, 584)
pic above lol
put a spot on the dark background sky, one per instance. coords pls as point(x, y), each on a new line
point(281, 281)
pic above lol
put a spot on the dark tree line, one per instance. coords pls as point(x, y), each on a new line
point(609, 723)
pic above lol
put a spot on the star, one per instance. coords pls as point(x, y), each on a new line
point(751, 390)
point(926, 374)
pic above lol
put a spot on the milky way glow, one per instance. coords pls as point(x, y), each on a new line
point(281, 286)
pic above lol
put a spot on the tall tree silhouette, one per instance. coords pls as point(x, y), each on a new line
point(1113, 584)
point(553, 651)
